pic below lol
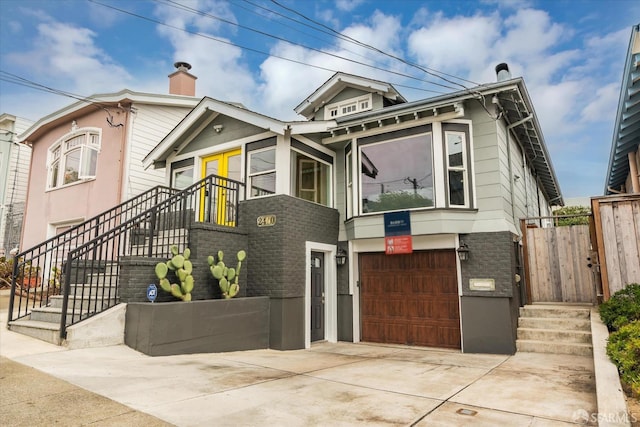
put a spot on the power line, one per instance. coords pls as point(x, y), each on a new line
point(21, 81)
point(430, 71)
point(227, 42)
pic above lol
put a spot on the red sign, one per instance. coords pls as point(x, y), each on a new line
point(394, 245)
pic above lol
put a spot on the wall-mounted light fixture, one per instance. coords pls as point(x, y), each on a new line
point(217, 128)
point(463, 251)
point(341, 257)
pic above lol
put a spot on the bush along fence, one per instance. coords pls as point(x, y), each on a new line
point(621, 314)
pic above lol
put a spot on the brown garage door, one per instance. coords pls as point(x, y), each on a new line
point(410, 299)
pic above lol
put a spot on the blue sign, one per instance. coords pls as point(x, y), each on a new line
point(397, 224)
point(152, 292)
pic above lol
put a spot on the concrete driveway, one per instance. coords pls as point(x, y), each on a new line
point(332, 384)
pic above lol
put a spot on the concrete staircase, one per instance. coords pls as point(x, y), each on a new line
point(555, 328)
point(44, 322)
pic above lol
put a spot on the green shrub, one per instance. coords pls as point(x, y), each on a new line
point(573, 210)
point(623, 307)
point(624, 350)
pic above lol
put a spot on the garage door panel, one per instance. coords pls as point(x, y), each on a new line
point(410, 299)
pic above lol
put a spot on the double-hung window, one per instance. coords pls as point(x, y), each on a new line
point(458, 193)
point(74, 158)
point(262, 172)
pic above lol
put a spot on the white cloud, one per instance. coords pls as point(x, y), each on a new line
point(68, 57)
point(348, 5)
point(459, 45)
point(280, 96)
point(604, 101)
point(217, 64)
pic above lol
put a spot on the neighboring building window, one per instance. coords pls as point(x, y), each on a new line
point(310, 178)
point(397, 174)
point(262, 172)
point(349, 179)
point(182, 178)
point(348, 106)
point(457, 168)
point(74, 158)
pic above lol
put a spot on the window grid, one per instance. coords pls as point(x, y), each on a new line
point(73, 158)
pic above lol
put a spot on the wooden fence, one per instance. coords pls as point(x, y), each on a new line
point(617, 235)
point(557, 264)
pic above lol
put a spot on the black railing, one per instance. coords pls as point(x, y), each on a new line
point(87, 264)
point(37, 272)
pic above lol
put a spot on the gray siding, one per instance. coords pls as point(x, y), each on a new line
point(232, 129)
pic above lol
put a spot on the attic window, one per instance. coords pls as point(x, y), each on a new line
point(348, 106)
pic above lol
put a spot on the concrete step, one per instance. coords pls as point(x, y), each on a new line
point(533, 346)
point(554, 336)
point(44, 331)
point(93, 291)
point(81, 304)
point(101, 279)
point(555, 323)
point(555, 311)
point(50, 314)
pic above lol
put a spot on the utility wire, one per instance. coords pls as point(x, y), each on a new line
point(430, 71)
point(21, 81)
point(270, 54)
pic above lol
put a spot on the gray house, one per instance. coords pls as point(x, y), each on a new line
point(378, 219)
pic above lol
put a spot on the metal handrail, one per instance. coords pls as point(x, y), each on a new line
point(37, 271)
point(212, 200)
point(89, 269)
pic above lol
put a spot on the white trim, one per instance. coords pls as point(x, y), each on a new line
point(356, 102)
point(124, 95)
point(439, 187)
point(330, 291)
point(459, 274)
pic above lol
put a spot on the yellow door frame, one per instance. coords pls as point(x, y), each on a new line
point(223, 171)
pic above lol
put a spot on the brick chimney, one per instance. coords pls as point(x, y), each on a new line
point(181, 82)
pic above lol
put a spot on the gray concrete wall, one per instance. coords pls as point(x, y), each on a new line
point(198, 327)
point(345, 318)
point(286, 327)
point(486, 325)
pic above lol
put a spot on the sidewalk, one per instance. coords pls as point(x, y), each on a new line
point(336, 384)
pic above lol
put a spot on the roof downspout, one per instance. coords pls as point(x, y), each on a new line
point(509, 127)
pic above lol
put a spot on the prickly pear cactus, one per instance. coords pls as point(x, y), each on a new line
point(227, 277)
point(182, 268)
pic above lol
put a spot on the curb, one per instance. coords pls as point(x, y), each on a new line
point(612, 408)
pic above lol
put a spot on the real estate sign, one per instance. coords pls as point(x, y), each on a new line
point(397, 233)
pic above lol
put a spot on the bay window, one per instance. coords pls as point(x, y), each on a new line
point(397, 174)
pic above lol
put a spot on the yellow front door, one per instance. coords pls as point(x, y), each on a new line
point(216, 207)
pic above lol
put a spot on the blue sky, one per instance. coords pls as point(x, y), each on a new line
point(570, 53)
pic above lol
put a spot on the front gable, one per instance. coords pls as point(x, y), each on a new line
point(344, 94)
point(217, 129)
